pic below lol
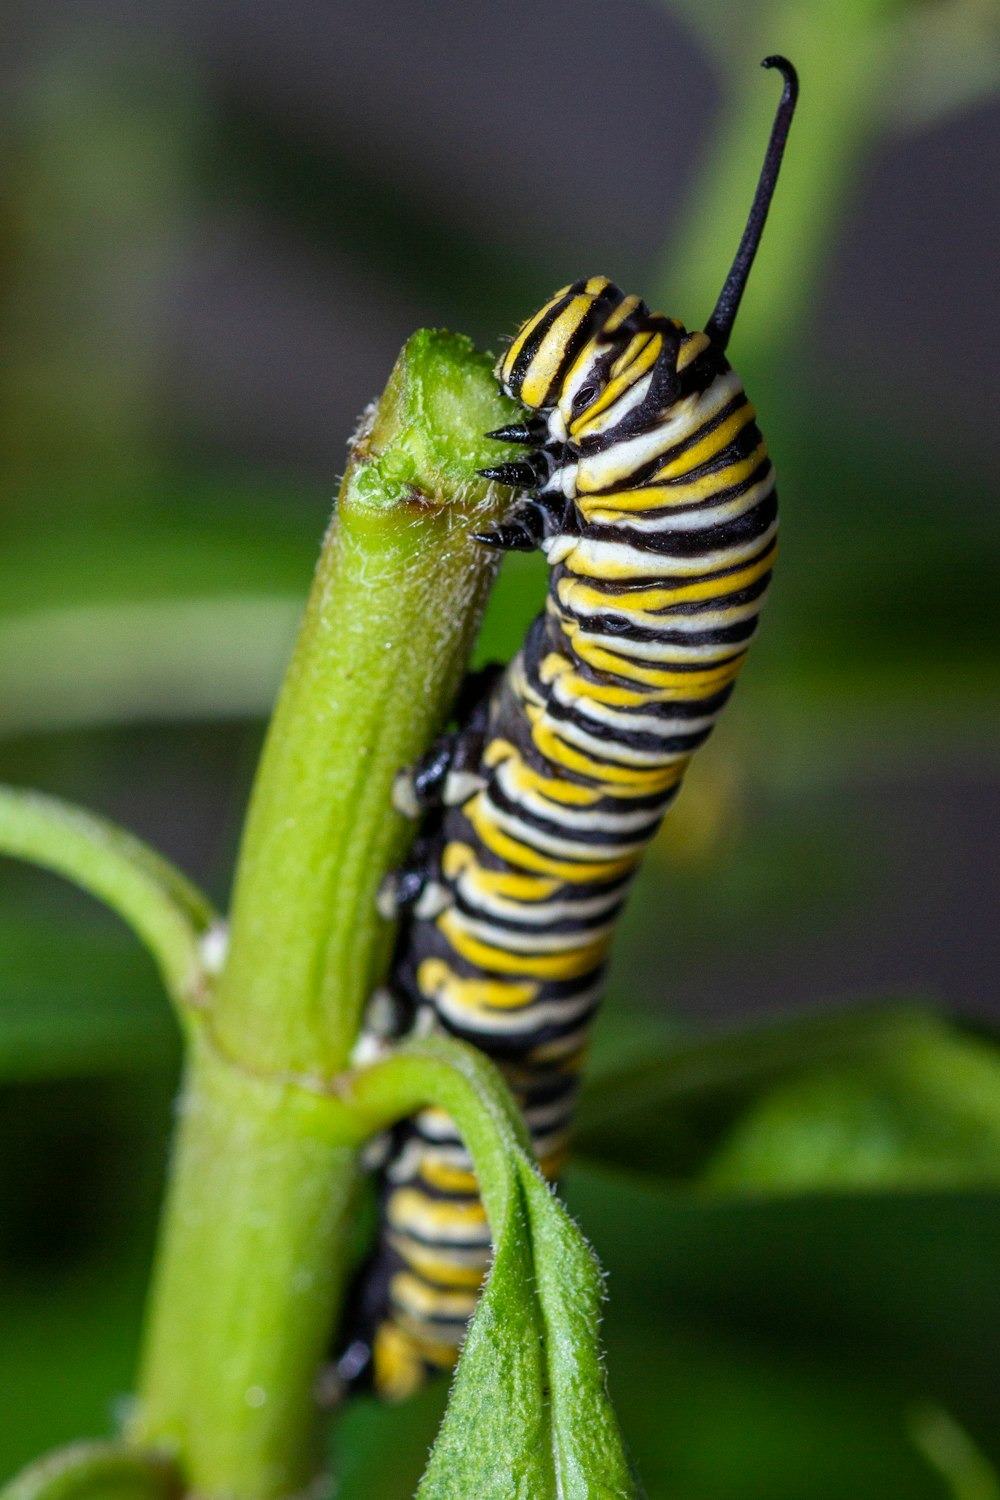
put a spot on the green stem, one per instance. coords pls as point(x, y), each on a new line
point(843, 50)
point(251, 1262)
point(96, 1471)
point(459, 1080)
point(387, 631)
point(248, 1279)
point(159, 904)
point(250, 1275)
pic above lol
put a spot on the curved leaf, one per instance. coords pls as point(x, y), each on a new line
point(96, 1471)
point(529, 1417)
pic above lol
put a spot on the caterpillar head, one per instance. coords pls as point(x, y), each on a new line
point(584, 358)
point(535, 369)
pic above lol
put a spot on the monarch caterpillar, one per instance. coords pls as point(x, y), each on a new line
point(649, 489)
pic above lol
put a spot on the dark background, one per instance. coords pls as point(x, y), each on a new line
point(218, 223)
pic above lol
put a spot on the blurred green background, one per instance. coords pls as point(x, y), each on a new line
point(218, 223)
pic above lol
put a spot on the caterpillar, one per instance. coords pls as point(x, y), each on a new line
point(649, 488)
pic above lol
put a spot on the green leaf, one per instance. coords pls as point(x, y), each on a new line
point(529, 1416)
point(874, 1097)
point(922, 1113)
point(96, 1471)
point(949, 1449)
point(772, 1349)
point(674, 1105)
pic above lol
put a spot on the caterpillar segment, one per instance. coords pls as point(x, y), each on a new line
point(649, 488)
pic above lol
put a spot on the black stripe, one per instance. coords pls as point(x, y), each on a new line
point(645, 477)
point(613, 628)
point(532, 345)
point(751, 524)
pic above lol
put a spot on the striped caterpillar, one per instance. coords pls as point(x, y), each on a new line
point(649, 489)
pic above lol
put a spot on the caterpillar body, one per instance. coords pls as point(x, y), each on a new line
point(649, 488)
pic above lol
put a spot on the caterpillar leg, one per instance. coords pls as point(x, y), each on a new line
point(412, 887)
point(448, 773)
point(524, 530)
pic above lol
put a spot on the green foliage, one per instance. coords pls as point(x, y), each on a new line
point(920, 1112)
point(529, 1414)
point(948, 1447)
point(77, 1002)
point(882, 1096)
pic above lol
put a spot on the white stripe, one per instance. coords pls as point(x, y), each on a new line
point(515, 943)
point(422, 1222)
point(535, 838)
point(617, 559)
point(415, 1152)
point(524, 1019)
point(540, 913)
point(712, 614)
point(583, 819)
point(659, 653)
point(622, 458)
point(656, 520)
point(614, 752)
point(600, 714)
point(447, 1255)
point(629, 399)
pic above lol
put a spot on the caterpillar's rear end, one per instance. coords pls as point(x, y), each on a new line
point(649, 488)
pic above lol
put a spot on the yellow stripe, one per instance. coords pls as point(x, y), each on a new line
point(525, 332)
point(682, 684)
point(516, 853)
point(644, 361)
point(655, 497)
point(631, 352)
point(398, 1363)
point(423, 1301)
point(695, 344)
point(709, 446)
point(447, 1178)
point(434, 978)
point(545, 364)
point(435, 1265)
point(625, 307)
point(639, 781)
point(458, 858)
point(525, 777)
point(564, 793)
point(570, 588)
point(569, 965)
point(410, 1209)
point(615, 696)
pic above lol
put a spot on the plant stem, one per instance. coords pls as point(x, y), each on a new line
point(250, 1274)
point(252, 1256)
point(96, 1471)
point(387, 631)
point(247, 1283)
